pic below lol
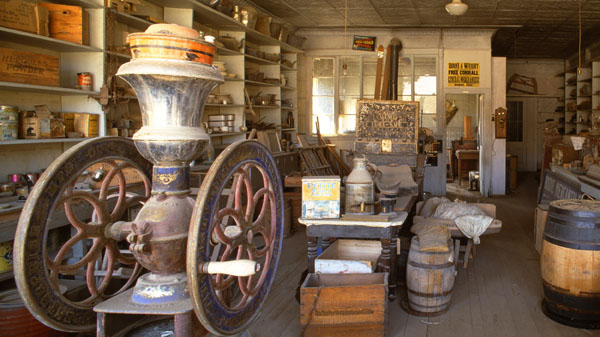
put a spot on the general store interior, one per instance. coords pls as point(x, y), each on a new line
point(299, 167)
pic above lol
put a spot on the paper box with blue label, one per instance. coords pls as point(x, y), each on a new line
point(321, 197)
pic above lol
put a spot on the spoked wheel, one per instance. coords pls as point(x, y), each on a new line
point(238, 215)
point(63, 271)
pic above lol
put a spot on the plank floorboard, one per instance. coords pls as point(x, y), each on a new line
point(499, 295)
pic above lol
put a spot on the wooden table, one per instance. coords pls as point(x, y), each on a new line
point(462, 155)
point(386, 231)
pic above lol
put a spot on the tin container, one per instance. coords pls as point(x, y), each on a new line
point(213, 124)
point(9, 113)
point(84, 81)
point(360, 191)
point(225, 117)
point(321, 197)
point(9, 130)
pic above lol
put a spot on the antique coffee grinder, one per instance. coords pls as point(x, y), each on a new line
point(215, 256)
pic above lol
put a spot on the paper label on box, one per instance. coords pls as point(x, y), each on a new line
point(320, 209)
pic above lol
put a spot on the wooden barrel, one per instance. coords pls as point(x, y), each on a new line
point(15, 319)
point(429, 279)
point(570, 263)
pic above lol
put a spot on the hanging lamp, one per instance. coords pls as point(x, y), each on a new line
point(456, 7)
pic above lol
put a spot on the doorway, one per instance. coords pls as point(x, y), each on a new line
point(463, 137)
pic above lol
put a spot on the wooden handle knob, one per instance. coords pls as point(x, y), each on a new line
point(235, 268)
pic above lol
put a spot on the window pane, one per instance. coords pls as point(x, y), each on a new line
point(322, 107)
point(368, 85)
point(323, 86)
point(404, 76)
point(425, 75)
point(369, 65)
point(347, 123)
point(348, 105)
point(349, 85)
point(427, 104)
point(323, 67)
point(514, 122)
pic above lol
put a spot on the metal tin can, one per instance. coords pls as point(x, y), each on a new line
point(321, 197)
point(9, 130)
point(84, 80)
point(360, 194)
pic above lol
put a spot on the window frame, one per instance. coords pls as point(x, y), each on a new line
point(337, 85)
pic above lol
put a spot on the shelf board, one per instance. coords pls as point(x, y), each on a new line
point(262, 84)
point(40, 141)
point(225, 105)
point(287, 88)
point(82, 3)
point(264, 106)
point(133, 21)
point(227, 134)
point(233, 79)
point(289, 129)
point(45, 89)
point(13, 35)
point(119, 55)
point(260, 60)
point(226, 51)
point(288, 108)
point(211, 17)
point(589, 79)
point(535, 96)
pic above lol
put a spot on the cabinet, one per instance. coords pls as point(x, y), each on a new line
point(34, 155)
point(242, 62)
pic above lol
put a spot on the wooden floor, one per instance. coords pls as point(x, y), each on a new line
point(498, 295)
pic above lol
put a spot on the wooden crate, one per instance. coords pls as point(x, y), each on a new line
point(68, 23)
point(29, 68)
point(25, 16)
point(541, 212)
point(345, 304)
point(349, 257)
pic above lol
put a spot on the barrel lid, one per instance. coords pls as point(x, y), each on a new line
point(579, 207)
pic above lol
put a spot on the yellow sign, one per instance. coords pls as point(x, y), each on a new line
point(463, 74)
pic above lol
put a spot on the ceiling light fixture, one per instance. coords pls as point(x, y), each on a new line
point(456, 7)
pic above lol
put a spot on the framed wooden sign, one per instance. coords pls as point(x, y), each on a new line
point(387, 126)
point(555, 187)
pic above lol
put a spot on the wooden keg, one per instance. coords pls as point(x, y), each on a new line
point(429, 279)
point(15, 319)
point(570, 263)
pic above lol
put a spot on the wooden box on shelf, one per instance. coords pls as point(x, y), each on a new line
point(29, 68)
point(87, 124)
point(68, 23)
point(24, 16)
point(34, 127)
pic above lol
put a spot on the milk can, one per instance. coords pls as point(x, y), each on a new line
point(360, 194)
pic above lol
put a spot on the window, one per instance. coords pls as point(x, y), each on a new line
point(340, 81)
point(514, 121)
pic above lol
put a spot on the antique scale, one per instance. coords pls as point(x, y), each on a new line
point(215, 256)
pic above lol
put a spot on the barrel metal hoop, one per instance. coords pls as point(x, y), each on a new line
point(572, 245)
point(427, 295)
point(576, 224)
point(431, 266)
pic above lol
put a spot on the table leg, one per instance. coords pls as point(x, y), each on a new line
point(312, 253)
point(456, 250)
point(386, 266)
point(460, 172)
point(467, 253)
point(394, 268)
